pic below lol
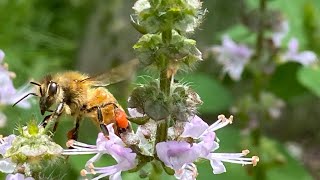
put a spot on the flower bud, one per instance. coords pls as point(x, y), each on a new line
point(158, 16)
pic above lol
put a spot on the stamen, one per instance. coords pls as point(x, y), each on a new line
point(70, 143)
point(220, 123)
point(91, 166)
point(230, 119)
point(245, 152)
point(255, 160)
point(80, 144)
point(77, 152)
point(222, 117)
point(235, 158)
point(83, 172)
point(92, 171)
point(243, 161)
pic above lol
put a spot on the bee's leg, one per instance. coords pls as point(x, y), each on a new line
point(55, 126)
point(44, 122)
point(54, 116)
point(73, 133)
point(103, 127)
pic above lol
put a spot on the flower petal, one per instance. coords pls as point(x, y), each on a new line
point(18, 176)
point(6, 166)
point(2, 55)
point(195, 127)
point(6, 143)
point(175, 154)
point(187, 172)
point(233, 57)
point(134, 113)
point(3, 120)
point(217, 167)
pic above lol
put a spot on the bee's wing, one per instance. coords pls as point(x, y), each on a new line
point(115, 75)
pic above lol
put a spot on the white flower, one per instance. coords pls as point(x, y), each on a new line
point(141, 5)
point(196, 4)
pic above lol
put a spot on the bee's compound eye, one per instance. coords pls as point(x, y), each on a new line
point(52, 88)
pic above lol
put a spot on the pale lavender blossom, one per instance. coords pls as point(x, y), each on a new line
point(8, 93)
point(176, 154)
point(134, 113)
point(112, 145)
point(187, 172)
point(232, 56)
point(305, 58)
point(3, 119)
point(6, 166)
point(6, 143)
point(18, 176)
point(280, 33)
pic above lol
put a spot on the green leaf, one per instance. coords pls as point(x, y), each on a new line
point(284, 83)
point(310, 78)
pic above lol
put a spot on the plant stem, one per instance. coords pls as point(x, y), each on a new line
point(165, 85)
point(260, 173)
point(259, 55)
point(261, 27)
point(165, 81)
point(156, 171)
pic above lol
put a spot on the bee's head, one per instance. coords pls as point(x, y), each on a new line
point(49, 94)
point(49, 91)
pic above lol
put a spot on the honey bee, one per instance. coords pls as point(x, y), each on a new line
point(80, 96)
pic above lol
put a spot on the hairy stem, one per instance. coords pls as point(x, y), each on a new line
point(261, 28)
point(165, 86)
point(156, 170)
point(257, 132)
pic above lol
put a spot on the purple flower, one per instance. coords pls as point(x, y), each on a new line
point(233, 57)
point(6, 166)
point(177, 154)
point(8, 94)
point(114, 146)
point(6, 143)
point(134, 113)
point(304, 57)
point(18, 176)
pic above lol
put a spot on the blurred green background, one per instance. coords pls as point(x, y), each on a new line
point(92, 36)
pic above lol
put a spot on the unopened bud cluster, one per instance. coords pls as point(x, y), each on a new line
point(161, 15)
point(30, 151)
point(148, 99)
point(181, 51)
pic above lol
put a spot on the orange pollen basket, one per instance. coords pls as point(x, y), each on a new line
point(121, 119)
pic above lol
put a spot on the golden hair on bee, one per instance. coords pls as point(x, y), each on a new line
point(80, 95)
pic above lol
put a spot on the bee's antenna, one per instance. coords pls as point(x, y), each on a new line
point(34, 83)
point(34, 94)
point(37, 84)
